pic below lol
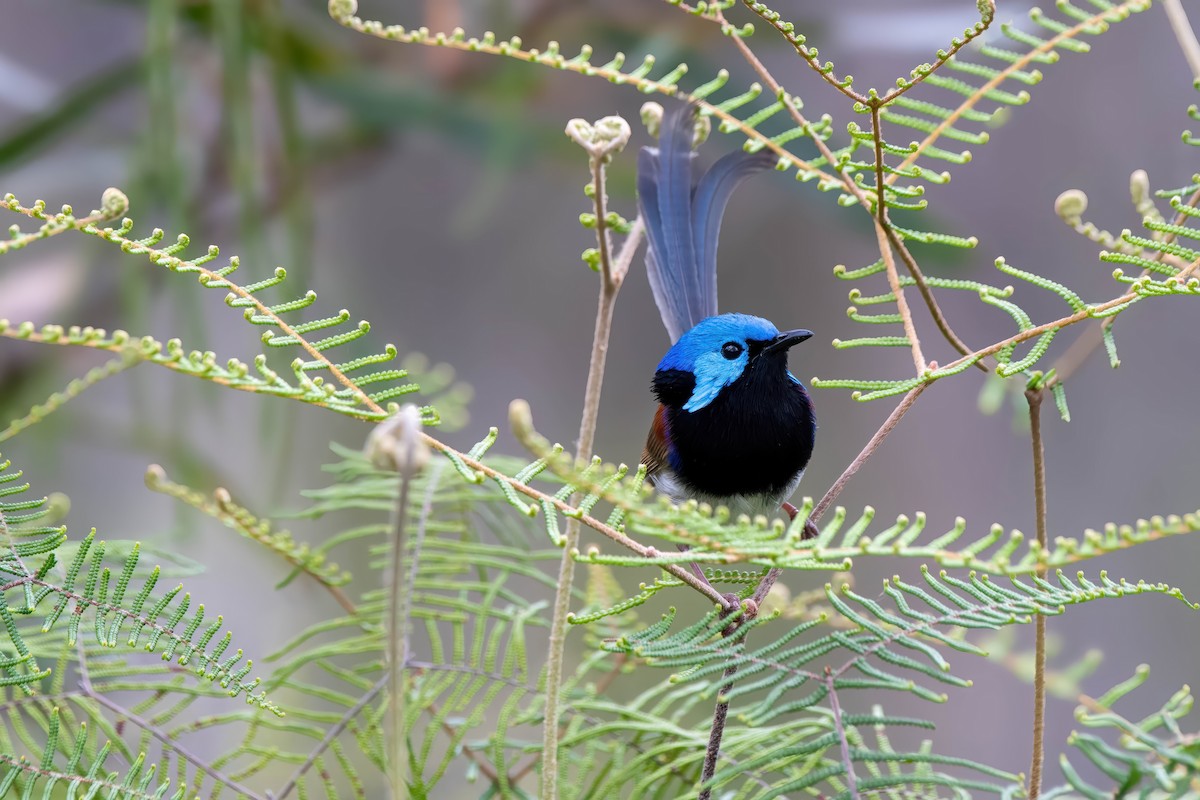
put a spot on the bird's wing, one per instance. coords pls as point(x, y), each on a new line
point(683, 220)
point(654, 455)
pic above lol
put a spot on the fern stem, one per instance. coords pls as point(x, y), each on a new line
point(777, 89)
point(1185, 34)
point(399, 589)
point(612, 276)
point(330, 735)
point(843, 742)
point(868, 450)
point(885, 248)
point(931, 303)
point(994, 82)
point(1034, 397)
point(716, 733)
point(1089, 340)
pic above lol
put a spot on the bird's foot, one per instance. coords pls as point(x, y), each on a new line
point(747, 606)
point(810, 528)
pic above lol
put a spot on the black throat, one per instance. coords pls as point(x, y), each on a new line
point(753, 438)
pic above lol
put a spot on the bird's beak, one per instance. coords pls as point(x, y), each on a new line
point(786, 339)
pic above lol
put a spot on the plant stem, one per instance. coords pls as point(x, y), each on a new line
point(853, 188)
point(843, 742)
point(716, 732)
point(931, 302)
point(327, 740)
point(885, 247)
point(868, 450)
point(1184, 33)
point(764, 586)
point(610, 286)
point(1034, 397)
point(397, 633)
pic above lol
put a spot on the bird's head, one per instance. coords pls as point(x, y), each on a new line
point(716, 353)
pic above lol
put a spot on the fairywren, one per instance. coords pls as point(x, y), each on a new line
point(734, 427)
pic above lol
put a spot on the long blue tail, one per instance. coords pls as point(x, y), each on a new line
point(683, 220)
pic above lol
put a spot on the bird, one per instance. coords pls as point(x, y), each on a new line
point(734, 427)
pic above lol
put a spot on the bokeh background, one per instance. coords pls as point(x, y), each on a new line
point(433, 193)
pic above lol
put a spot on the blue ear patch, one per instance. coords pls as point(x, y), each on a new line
point(698, 352)
point(713, 373)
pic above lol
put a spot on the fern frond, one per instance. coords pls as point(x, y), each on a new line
point(1150, 757)
point(999, 65)
point(90, 775)
point(221, 507)
point(891, 644)
point(316, 378)
point(741, 113)
point(76, 387)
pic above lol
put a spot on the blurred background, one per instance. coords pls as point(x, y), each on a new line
point(433, 193)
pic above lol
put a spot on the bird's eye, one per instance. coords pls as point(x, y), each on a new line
point(731, 350)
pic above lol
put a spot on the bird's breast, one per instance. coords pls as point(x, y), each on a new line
point(755, 438)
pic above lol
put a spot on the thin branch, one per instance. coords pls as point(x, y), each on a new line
point(220, 506)
point(885, 248)
point(810, 56)
point(716, 732)
point(113, 204)
point(76, 387)
point(1185, 34)
point(868, 450)
point(1090, 339)
point(582, 66)
point(777, 89)
point(1087, 313)
point(625, 257)
point(610, 286)
point(330, 735)
point(843, 742)
point(399, 591)
point(1034, 397)
point(931, 303)
point(854, 189)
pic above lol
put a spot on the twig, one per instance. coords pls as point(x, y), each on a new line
point(889, 424)
point(853, 188)
point(397, 640)
point(330, 735)
point(1087, 313)
point(396, 444)
point(810, 57)
point(777, 89)
point(931, 303)
point(717, 732)
point(868, 450)
point(600, 146)
point(512, 49)
point(843, 742)
point(521, 421)
point(220, 506)
point(1185, 34)
point(1034, 397)
point(885, 248)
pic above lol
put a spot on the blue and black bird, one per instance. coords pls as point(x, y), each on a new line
point(734, 427)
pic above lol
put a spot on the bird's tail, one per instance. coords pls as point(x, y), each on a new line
point(683, 219)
